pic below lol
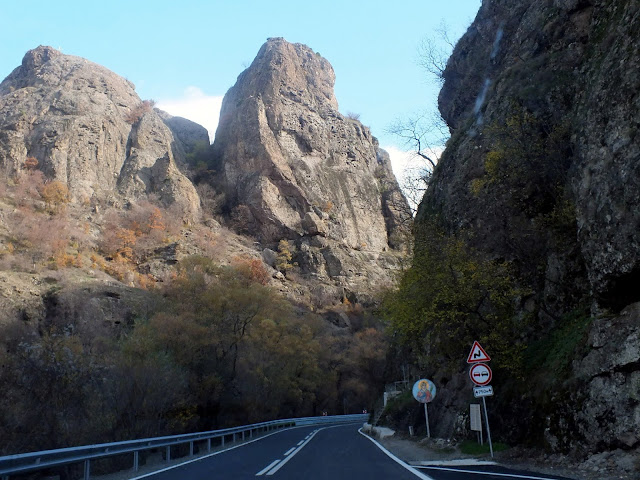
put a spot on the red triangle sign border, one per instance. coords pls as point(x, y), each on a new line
point(477, 354)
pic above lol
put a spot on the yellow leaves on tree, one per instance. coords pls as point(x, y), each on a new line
point(55, 195)
point(451, 297)
point(284, 256)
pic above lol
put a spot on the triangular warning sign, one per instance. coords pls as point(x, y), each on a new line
point(477, 354)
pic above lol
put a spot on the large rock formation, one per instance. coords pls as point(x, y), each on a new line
point(543, 101)
point(300, 169)
point(562, 80)
point(88, 129)
point(293, 159)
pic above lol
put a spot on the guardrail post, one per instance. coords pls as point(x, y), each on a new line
point(168, 453)
point(233, 440)
point(87, 469)
point(223, 440)
point(250, 433)
point(191, 449)
point(208, 444)
point(243, 435)
point(135, 461)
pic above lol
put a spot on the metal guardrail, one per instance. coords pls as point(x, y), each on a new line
point(33, 461)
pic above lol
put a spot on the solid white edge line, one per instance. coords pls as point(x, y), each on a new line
point(214, 454)
point(462, 462)
point(512, 475)
point(396, 459)
point(266, 469)
point(289, 451)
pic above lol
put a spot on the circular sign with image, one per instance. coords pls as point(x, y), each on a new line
point(424, 390)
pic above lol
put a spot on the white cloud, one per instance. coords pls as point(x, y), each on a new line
point(408, 167)
point(400, 160)
point(403, 161)
point(197, 107)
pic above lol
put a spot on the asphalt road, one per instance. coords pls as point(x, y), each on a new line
point(314, 453)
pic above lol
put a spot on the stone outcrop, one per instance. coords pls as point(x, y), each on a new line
point(190, 134)
point(300, 170)
point(301, 167)
point(87, 128)
point(543, 101)
point(565, 74)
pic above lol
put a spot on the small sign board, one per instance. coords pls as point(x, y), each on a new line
point(486, 391)
point(477, 354)
point(476, 419)
point(480, 374)
point(424, 390)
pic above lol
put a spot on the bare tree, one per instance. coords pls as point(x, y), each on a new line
point(435, 50)
point(424, 136)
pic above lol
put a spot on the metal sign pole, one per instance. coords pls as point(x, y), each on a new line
point(486, 418)
point(426, 416)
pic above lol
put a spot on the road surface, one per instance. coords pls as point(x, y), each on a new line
point(333, 452)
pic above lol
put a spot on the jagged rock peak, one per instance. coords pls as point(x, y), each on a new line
point(298, 165)
point(296, 72)
point(88, 128)
point(37, 57)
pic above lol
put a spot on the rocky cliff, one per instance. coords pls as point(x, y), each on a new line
point(88, 128)
point(300, 170)
point(291, 167)
point(542, 99)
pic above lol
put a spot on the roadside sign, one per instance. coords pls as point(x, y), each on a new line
point(424, 390)
point(476, 419)
point(477, 354)
point(486, 391)
point(480, 374)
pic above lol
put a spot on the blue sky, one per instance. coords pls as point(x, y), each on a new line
point(186, 54)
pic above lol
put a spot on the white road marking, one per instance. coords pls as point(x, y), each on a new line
point(271, 465)
point(511, 475)
point(300, 442)
point(296, 450)
point(463, 462)
point(397, 460)
point(289, 451)
point(215, 453)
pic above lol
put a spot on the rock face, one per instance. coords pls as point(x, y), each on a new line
point(300, 166)
point(543, 101)
point(88, 129)
point(302, 171)
point(566, 76)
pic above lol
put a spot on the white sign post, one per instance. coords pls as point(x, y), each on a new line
point(481, 375)
point(476, 420)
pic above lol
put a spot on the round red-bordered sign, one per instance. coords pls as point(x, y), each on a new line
point(480, 374)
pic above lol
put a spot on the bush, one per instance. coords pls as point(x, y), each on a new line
point(55, 195)
point(138, 111)
point(251, 268)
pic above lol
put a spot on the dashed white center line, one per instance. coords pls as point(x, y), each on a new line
point(269, 467)
point(289, 454)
